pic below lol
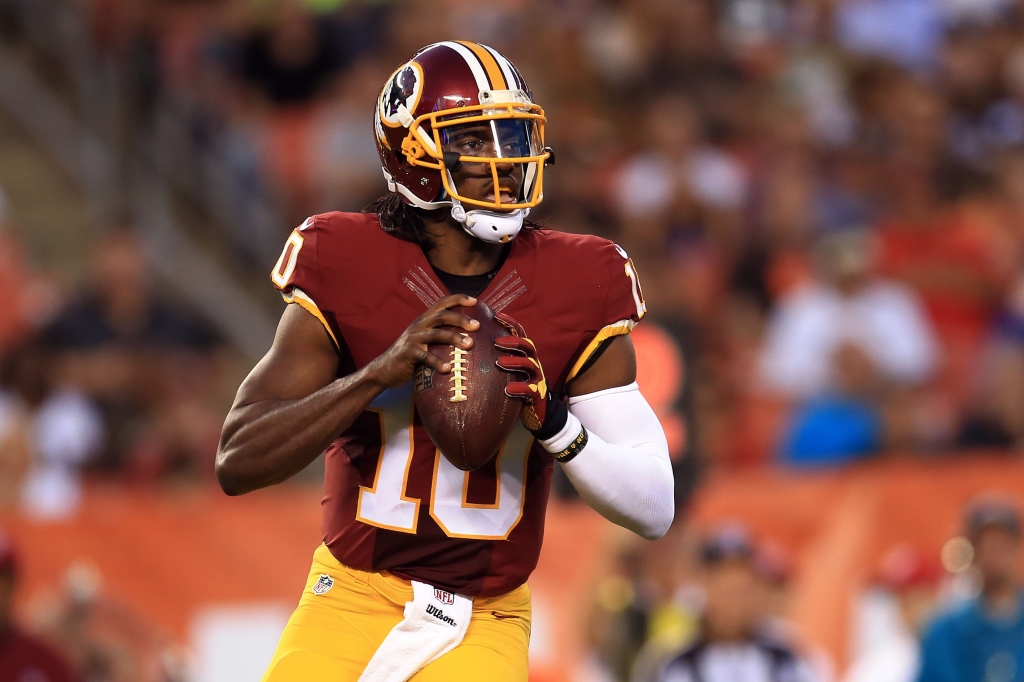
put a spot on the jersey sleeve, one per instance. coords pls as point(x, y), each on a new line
point(297, 272)
point(623, 305)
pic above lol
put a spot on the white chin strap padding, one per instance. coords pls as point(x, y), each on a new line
point(489, 226)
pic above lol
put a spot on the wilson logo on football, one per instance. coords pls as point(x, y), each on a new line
point(444, 597)
point(324, 585)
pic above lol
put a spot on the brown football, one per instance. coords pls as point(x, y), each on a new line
point(466, 412)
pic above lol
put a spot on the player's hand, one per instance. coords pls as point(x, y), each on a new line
point(395, 367)
point(521, 359)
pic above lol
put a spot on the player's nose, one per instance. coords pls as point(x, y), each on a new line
point(505, 169)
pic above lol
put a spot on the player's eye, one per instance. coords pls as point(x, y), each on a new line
point(473, 146)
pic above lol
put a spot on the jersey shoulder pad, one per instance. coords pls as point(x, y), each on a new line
point(599, 290)
point(604, 285)
point(338, 260)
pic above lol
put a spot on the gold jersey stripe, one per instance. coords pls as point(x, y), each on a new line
point(300, 298)
point(491, 65)
point(615, 329)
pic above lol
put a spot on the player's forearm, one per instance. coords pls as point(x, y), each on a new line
point(624, 471)
point(269, 441)
point(629, 487)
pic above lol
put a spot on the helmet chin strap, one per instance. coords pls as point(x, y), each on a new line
point(489, 226)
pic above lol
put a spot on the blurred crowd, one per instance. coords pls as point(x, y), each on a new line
point(79, 633)
point(715, 608)
point(104, 377)
point(825, 198)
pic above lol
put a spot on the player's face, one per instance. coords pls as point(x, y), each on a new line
point(499, 139)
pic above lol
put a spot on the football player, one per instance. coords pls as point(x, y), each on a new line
point(423, 567)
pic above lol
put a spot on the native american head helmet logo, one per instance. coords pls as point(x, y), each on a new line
point(402, 93)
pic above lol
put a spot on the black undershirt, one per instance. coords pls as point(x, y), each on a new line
point(470, 285)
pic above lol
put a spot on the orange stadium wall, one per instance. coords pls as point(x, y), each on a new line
point(170, 554)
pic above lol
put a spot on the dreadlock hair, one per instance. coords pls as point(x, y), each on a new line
point(405, 221)
point(400, 219)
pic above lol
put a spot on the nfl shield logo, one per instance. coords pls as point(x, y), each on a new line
point(323, 585)
point(444, 597)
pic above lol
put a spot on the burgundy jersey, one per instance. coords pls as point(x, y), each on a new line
point(392, 502)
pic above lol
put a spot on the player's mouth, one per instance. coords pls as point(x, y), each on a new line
point(507, 196)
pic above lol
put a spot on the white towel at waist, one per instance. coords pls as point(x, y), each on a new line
point(435, 623)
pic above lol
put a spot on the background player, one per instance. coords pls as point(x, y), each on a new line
point(396, 513)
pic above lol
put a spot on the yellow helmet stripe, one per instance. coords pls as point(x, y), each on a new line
point(491, 66)
point(506, 68)
point(471, 61)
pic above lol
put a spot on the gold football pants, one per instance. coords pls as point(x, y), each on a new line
point(332, 636)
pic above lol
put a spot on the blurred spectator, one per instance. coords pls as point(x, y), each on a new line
point(23, 658)
point(840, 346)
point(955, 256)
point(53, 429)
point(291, 60)
point(48, 431)
point(104, 639)
point(993, 419)
point(31, 297)
point(148, 364)
point(984, 638)
point(732, 645)
point(841, 426)
point(907, 31)
point(892, 615)
point(849, 304)
point(619, 625)
point(345, 165)
point(774, 566)
point(15, 453)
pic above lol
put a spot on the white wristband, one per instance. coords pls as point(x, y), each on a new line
point(564, 438)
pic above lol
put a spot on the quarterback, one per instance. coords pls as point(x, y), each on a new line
point(422, 572)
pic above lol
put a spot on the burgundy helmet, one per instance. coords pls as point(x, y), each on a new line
point(430, 102)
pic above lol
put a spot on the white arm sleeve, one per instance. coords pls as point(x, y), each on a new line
point(624, 471)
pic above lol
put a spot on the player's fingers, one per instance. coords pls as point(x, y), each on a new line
point(509, 323)
point(515, 363)
point(521, 390)
point(450, 318)
point(450, 302)
point(446, 337)
point(435, 363)
point(515, 344)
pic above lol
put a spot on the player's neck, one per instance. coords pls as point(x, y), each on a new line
point(458, 253)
